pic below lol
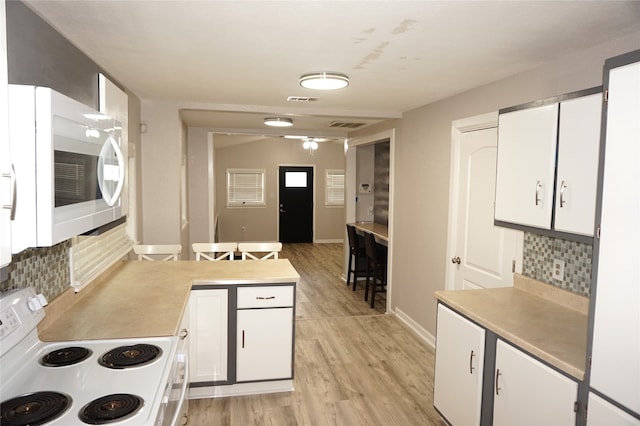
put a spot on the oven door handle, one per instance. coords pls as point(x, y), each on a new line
point(183, 391)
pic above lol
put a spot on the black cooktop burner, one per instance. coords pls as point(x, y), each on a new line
point(130, 356)
point(110, 408)
point(65, 356)
point(33, 409)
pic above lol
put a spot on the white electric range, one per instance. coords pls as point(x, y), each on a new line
point(119, 382)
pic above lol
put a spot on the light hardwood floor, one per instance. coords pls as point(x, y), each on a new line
point(353, 365)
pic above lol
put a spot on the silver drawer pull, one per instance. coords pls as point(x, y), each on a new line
point(184, 333)
point(471, 368)
point(265, 298)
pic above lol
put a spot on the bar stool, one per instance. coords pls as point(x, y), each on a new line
point(376, 266)
point(357, 256)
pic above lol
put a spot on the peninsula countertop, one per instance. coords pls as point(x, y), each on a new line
point(554, 332)
point(147, 299)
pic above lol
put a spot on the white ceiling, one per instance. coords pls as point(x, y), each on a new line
point(229, 64)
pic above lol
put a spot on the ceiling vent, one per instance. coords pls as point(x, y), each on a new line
point(347, 125)
point(301, 99)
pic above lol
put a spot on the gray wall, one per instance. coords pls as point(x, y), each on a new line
point(260, 223)
point(422, 158)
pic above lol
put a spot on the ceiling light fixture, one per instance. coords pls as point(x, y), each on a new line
point(310, 144)
point(278, 122)
point(324, 81)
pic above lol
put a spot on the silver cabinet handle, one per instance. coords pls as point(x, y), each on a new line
point(12, 201)
point(538, 188)
point(265, 298)
point(456, 260)
point(184, 333)
point(242, 339)
point(498, 389)
point(471, 362)
point(563, 186)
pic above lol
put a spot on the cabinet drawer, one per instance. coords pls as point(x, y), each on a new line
point(265, 296)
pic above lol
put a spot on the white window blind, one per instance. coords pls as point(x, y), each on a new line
point(334, 188)
point(245, 187)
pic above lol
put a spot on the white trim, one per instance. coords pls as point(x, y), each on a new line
point(241, 389)
point(350, 195)
point(213, 218)
point(416, 328)
point(458, 127)
point(329, 241)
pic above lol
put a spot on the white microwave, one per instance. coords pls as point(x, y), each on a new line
point(69, 167)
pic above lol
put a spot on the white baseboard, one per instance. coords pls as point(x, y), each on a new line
point(416, 328)
point(241, 389)
point(329, 241)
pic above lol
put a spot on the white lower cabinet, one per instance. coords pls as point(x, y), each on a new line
point(6, 179)
point(209, 335)
point(458, 368)
point(527, 392)
point(603, 413)
point(183, 351)
point(264, 344)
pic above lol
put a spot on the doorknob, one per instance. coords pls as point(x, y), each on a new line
point(456, 260)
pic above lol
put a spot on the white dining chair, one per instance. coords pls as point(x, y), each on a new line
point(155, 252)
point(267, 250)
point(214, 251)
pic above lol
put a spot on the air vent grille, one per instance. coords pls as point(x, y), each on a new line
point(301, 99)
point(347, 125)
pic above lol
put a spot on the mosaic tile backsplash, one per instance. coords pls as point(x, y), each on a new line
point(539, 253)
point(45, 269)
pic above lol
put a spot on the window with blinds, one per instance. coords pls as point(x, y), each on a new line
point(334, 188)
point(245, 187)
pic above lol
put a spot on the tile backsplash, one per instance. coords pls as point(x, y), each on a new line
point(47, 269)
point(539, 253)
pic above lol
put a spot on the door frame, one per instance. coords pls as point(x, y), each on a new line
point(313, 210)
point(458, 127)
point(350, 197)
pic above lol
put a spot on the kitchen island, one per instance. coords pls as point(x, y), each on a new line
point(147, 299)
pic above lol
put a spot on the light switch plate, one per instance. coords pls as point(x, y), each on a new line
point(558, 269)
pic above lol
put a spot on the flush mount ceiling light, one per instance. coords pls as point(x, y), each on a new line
point(324, 81)
point(278, 122)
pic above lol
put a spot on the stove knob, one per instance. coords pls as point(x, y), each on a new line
point(34, 304)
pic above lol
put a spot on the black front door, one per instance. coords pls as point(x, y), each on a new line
point(296, 204)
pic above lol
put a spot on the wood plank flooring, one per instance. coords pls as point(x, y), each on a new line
point(353, 364)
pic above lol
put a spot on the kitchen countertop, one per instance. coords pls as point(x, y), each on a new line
point(147, 299)
point(537, 322)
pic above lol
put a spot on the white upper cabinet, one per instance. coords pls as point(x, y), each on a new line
point(526, 159)
point(615, 364)
point(7, 181)
point(578, 164)
point(532, 143)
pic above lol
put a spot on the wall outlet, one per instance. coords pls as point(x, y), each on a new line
point(558, 269)
point(243, 228)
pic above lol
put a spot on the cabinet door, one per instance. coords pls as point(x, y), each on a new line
point(6, 182)
point(578, 148)
point(264, 344)
point(526, 165)
point(209, 334)
point(615, 365)
point(458, 370)
point(603, 413)
point(528, 392)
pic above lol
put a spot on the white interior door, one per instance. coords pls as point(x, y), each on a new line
point(481, 255)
